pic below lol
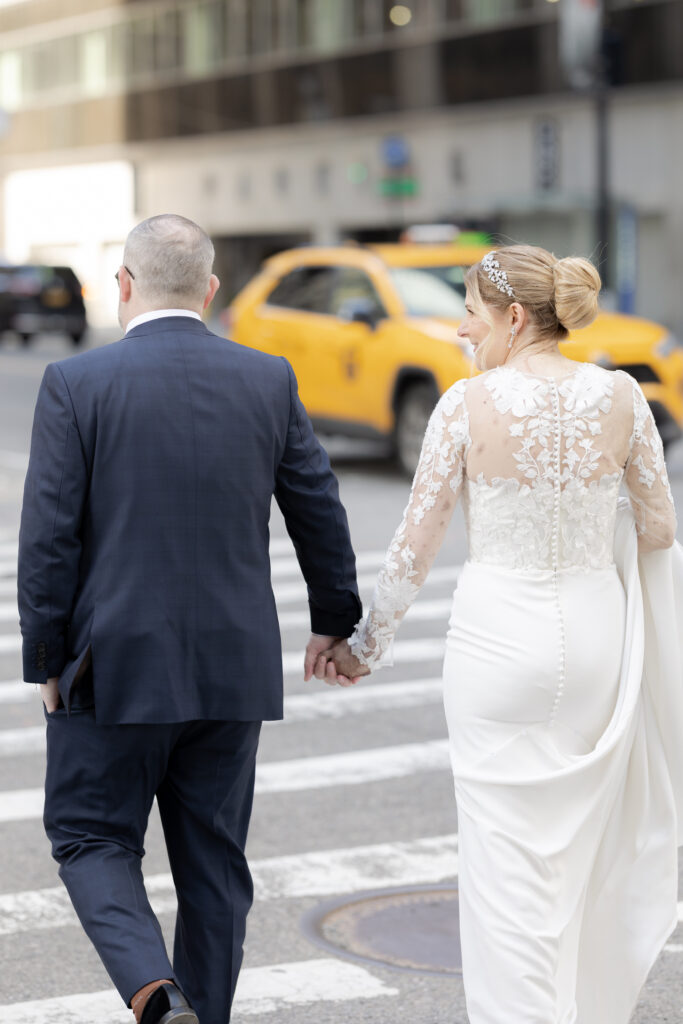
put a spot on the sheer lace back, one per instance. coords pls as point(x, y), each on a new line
point(541, 462)
point(542, 482)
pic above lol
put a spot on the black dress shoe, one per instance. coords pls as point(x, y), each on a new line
point(168, 1005)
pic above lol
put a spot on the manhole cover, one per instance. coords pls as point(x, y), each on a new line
point(415, 929)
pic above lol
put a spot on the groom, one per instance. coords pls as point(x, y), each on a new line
point(148, 616)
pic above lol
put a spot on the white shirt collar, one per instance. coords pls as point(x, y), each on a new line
point(156, 314)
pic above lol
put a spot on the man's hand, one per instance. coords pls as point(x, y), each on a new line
point(338, 665)
point(50, 694)
point(314, 648)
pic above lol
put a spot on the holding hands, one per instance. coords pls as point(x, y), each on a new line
point(330, 658)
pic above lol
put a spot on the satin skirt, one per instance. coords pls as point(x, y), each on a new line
point(564, 701)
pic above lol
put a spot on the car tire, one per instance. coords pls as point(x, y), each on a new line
point(25, 339)
point(77, 337)
point(412, 416)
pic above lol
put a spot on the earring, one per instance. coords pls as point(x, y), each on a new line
point(513, 332)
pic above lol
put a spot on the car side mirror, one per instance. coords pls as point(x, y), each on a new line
point(360, 311)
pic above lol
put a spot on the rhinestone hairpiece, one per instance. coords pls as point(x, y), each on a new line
point(491, 268)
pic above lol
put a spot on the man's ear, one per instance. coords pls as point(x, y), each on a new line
point(124, 285)
point(214, 285)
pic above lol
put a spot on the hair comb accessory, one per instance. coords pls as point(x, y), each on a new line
point(491, 268)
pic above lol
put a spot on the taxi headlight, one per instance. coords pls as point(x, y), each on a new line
point(667, 345)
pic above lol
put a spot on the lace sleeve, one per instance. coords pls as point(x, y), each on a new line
point(646, 479)
point(435, 490)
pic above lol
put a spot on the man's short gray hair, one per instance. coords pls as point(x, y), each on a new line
point(171, 258)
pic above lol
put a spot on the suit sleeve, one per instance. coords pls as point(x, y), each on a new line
point(49, 538)
point(307, 493)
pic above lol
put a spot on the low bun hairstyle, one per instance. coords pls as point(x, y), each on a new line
point(558, 295)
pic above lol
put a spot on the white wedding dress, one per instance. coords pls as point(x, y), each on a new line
point(563, 685)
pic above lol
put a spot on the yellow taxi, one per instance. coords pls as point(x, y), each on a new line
point(371, 333)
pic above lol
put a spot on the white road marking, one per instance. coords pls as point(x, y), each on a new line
point(426, 861)
point(673, 947)
point(333, 702)
point(21, 804)
point(13, 460)
point(260, 990)
point(8, 588)
point(16, 692)
point(354, 768)
point(9, 549)
point(10, 644)
point(15, 742)
point(325, 702)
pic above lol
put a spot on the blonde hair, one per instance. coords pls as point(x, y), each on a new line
point(559, 295)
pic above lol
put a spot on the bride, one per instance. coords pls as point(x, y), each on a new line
point(563, 685)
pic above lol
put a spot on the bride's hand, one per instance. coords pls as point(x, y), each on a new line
point(338, 665)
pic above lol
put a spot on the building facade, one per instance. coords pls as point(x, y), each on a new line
point(281, 122)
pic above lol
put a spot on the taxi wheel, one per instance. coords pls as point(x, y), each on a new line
point(415, 408)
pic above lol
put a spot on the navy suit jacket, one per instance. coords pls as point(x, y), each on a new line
point(144, 537)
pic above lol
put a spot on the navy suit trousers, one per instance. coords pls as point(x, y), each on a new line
point(100, 785)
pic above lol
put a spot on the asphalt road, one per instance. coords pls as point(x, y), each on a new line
point(354, 790)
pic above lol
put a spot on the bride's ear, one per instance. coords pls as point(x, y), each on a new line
point(518, 315)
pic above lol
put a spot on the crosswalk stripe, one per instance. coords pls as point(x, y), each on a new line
point(10, 644)
point(353, 768)
point(16, 692)
point(14, 460)
point(8, 588)
point(426, 861)
point(324, 703)
point(260, 990)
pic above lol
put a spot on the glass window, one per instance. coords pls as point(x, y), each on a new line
point(11, 91)
point(65, 56)
point(428, 292)
point(262, 13)
point(203, 36)
point(237, 27)
point(142, 53)
point(354, 288)
point(281, 180)
point(306, 288)
point(93, 63)
point(322, 176)
point(167, 41)
point(120, 52)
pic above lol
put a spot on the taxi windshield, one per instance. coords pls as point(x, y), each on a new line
point(431, 291)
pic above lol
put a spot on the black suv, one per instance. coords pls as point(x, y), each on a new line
point(37, 300)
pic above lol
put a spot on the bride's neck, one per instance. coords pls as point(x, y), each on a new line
point(539, 351)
